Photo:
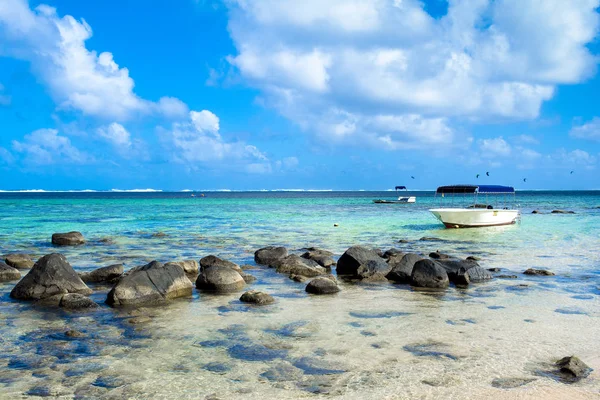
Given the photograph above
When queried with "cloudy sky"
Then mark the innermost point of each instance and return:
(337, 94)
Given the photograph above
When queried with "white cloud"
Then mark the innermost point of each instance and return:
(116, 134)
(198, 141)
(77, 78)
(575, 157)
(46, 146)
(526, 139)
(340, 68)
(589, 131)
(494, 147)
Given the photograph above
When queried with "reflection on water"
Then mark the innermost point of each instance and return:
(368, 341)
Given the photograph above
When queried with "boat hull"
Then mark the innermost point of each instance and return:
(474, 218)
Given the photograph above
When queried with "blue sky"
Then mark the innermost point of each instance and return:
(317, 95)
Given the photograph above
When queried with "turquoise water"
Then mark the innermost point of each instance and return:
(163, 358)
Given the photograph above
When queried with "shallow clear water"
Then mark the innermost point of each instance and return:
(378, 340)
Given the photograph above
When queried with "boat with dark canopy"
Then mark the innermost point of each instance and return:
(401, 199)
(476, 208)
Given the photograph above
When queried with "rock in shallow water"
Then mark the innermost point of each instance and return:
(104, 274)
(509, 383)
(322, 285)
(190, 267)
(268, 255)
(574, 366)
(68, 239)
(362, 263)
(50, 275)
(429, 274)
(296, 265)
(539, 272)
(256, 297)
(322, 257)
(214, 261)
(153, 283)
(8, 273)
(19, 261)
(220, 280)
(402, 267)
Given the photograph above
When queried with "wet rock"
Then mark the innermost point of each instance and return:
(159, 235)
(298, 278)
(393, 253)
(429, 274)
(220, 280)
(491, 269)
(474, 258)
(75, 334)
(214, 261)
(190, 267)
(282, 372)
(510, 383)
(258, 298)
(106, 240)
(75, 301)
(507, 276)
(562, 212)
(268, 255)
(322, 285)
(436, 255)
(460, 277)
(153, 283)
(431, 239)
(402, 267)
(362, 263)
(539, 272)
(19, 261)
(104, 274)
(68, 239)
(109, 381)
(141, 319)
(8, 273)
(296, 265)
(574, 366)
(50, 275)
(536, 212)
(454, 267)
(322, 257)
(248, 278)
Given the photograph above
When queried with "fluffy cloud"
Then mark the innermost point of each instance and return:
(589, 131)
(77, 78)
(387, 72)
(116, 134)
(198, 141)
(494, 147)
(574, 158)
(526, 139)
(46, 146)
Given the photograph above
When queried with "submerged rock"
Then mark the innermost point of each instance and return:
(50, 275)
(539, 272)
(8, 273)
(214, 261)
(510, 383)
(268, 255)
(296, 265)
(19, 261)
(574, 366)
(69, 301)
(256, 297)
(248, 278)
(455, 268)
(562, 212)
(429, 274)
(322, 257)
(362, 263)
(190, 267)
(153, 283)
(322, 285)
(536, 212)
(220, 280)
(73, 238)
(402, 267)
(436, 255)
(104, 274)
(393, 253)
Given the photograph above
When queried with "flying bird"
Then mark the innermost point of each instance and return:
(477, 176)
(487, 173)
(412, 177)
(524, 179)
(572, 172)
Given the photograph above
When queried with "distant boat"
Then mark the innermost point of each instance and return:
(401, 199)
(476, 214)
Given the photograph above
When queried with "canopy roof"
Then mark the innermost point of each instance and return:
(461, 189)
(400, 187)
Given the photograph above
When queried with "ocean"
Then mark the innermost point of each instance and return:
(377, 340)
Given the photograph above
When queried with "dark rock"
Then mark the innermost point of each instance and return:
(248, 278)
(507, 276)
(214, 261)
(403, 241)
(141, 319)
(75, 334)
(322, 257)
(220, 280)
(492, 269)
(296, 265)
(436, 255)
(393, 253)
(402, 267)
(322, 285)
(190, 267)
(431, 239)
(268, 255)
(473, 258)
(539, 272)
(379, 252)
(429, 274)
(104, 274)
(153, 283)
(256, 297)
(562, 212)
(19, 261)
(74, 301)
(472, 268)
(159, 235)
(510, 383)
(460, 277)
(574, 366)
(362, 263)
(68, 239)
(535, 212)
(298, 278)
(50, 275)
(255, 352)
(8, 273)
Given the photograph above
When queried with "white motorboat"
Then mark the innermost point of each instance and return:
(401, 199)
(476, 214)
